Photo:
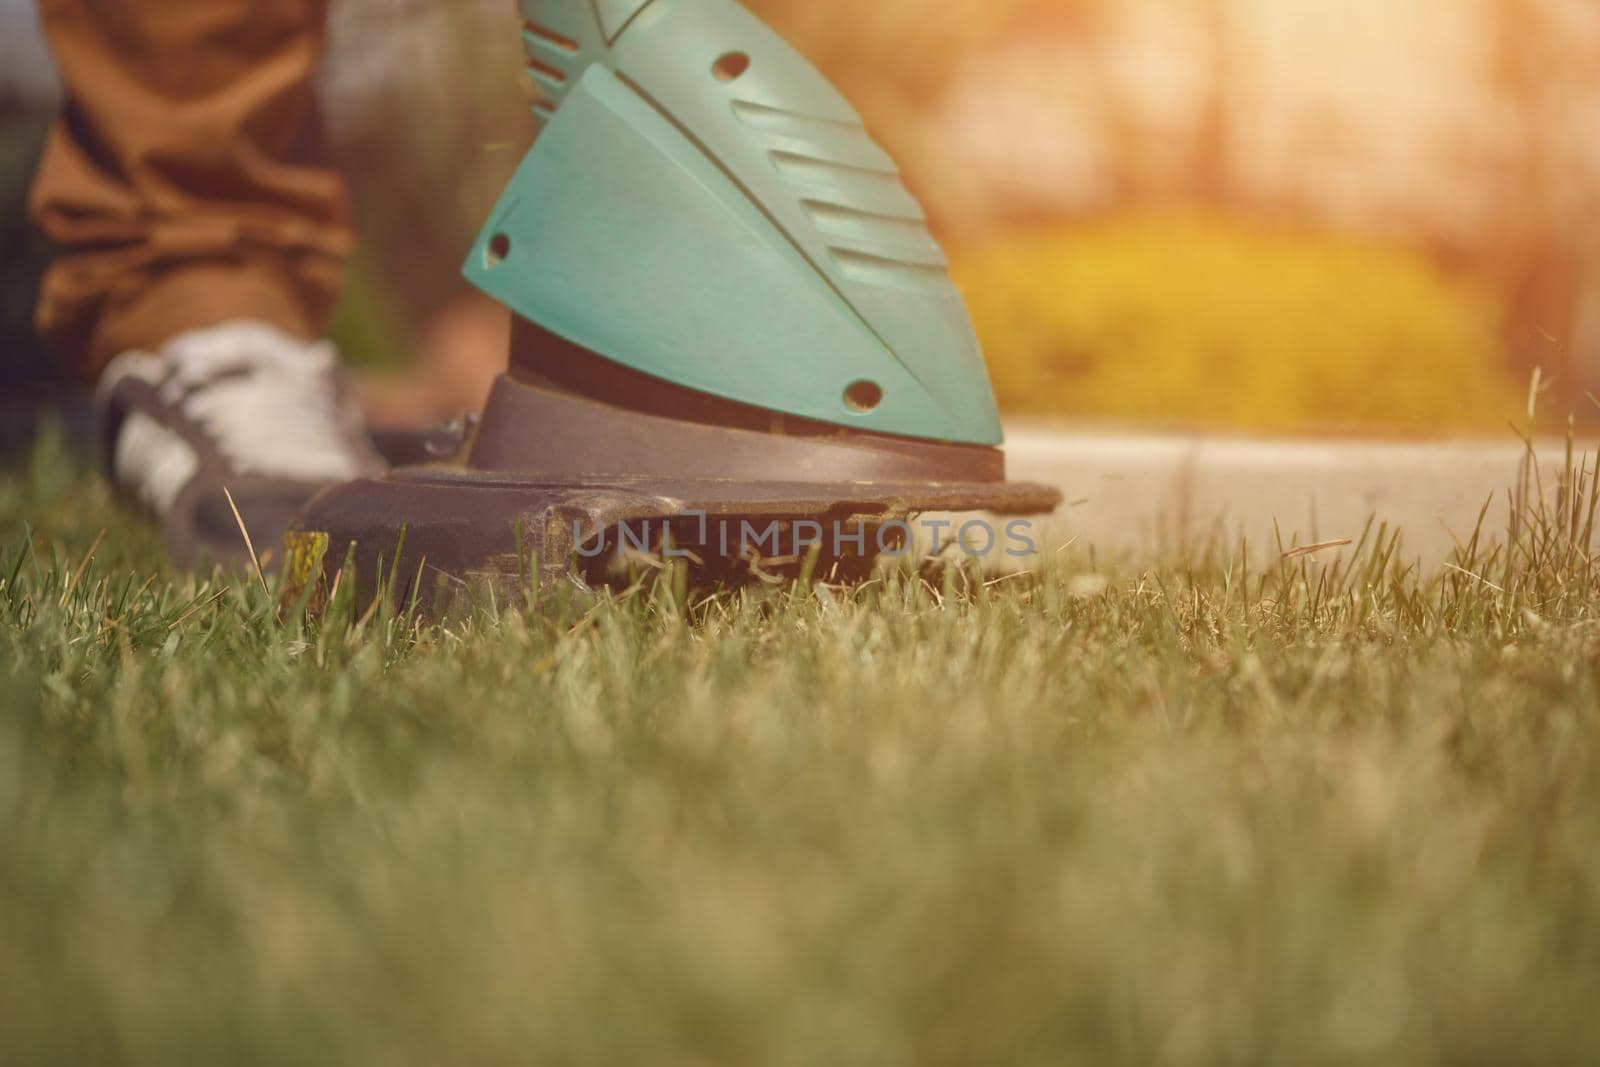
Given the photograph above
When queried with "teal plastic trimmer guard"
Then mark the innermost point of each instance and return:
(703, 207)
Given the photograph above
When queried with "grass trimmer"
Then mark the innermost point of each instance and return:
(735, 340)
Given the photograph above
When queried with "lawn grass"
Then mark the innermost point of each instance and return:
(1320, 814)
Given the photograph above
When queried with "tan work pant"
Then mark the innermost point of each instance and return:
(183, 182)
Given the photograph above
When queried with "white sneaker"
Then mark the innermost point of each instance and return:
(242, 406)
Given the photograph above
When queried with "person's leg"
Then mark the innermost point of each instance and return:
(183, 182)
(202, 245)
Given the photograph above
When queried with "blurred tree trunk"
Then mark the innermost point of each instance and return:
(1546, 74)
(1213, 146)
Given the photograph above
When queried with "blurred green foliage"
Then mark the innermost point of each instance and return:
(371, 330)
(1200, 319)
(426, 130)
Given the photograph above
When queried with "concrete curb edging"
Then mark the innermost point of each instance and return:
(1135, 495)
